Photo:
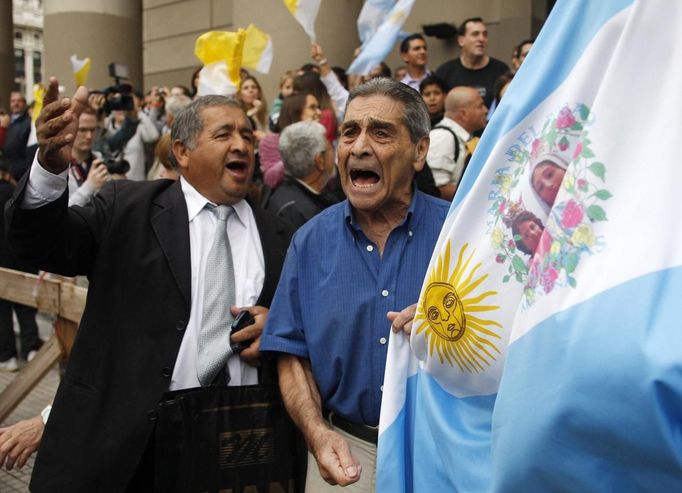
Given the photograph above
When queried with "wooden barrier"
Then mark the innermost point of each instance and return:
(58, 297)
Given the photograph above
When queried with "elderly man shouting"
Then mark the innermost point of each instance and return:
(346, 269)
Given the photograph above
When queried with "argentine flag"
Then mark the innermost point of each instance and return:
(546, 351)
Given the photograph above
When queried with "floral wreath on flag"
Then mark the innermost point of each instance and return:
(568, 234)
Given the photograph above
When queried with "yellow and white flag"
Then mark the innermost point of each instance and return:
(257, 50)
(221, 54)
(305, 12)
(81, 69)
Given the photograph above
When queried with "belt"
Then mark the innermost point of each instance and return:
(363, 432)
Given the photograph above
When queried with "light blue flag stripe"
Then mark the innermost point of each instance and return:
(611, 426)
(555, 52)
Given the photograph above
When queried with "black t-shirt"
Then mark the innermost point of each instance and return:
(455, 74)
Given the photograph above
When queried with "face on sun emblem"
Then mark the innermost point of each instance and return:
(444, 311)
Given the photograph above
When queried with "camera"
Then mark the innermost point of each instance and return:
(117, 166)
(119, 96)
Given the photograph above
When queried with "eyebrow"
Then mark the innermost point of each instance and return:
(230, 128)
(373, 124)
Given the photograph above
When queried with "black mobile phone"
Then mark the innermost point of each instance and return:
(244, 319)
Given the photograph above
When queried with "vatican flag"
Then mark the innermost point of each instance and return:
(305, 12)
(81, 69)
(546, 343)
(221, 54)
(257, 50)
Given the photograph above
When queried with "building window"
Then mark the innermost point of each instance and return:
(37, 67)
(19, 63)
(17, 35)
(36, 36)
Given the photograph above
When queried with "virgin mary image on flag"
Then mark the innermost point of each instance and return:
(546, 349)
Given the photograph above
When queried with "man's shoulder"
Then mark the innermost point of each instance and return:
(449, 66)
(495, 65)
(435, 207)
(322, 225)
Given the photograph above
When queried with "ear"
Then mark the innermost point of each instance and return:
(181, 153)
(403, 57)
(420, 153)
(319, 161)
(459, 41)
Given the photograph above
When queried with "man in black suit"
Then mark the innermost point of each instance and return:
(143, 246)
(17, 135)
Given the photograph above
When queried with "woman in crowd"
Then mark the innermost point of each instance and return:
(295, 108)
(253, 102)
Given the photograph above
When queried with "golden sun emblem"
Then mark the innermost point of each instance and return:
(447, 312)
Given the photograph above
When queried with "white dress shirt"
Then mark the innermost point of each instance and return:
(247, 258)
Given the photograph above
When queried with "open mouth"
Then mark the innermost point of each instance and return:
(364, 178)
(238, 168)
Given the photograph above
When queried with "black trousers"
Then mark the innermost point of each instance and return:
(28, 330)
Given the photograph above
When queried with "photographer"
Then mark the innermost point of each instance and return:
(108, 142)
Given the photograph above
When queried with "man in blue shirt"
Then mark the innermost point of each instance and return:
(346, 269)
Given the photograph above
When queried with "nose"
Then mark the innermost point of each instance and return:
(361, 146)
(239, 144)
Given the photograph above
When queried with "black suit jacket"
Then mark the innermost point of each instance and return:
(15, 145)
(133, 243)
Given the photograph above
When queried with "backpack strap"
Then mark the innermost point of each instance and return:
(453, 136)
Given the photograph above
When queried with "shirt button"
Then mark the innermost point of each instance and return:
(370, 248)
(166, 371)
(382, 340)
(180, 325)
(381, 388)
(384, 293)
(410, 233)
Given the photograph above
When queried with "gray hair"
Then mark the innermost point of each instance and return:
(415, 116)
(176, 103)
(299, 143)
(187, 124)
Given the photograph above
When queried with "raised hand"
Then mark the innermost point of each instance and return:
(57, 125)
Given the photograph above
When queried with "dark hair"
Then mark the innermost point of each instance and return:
(193, 81)
(184, 90)
(432, 80)
(341, 75)
(463, 26)
(310, 83)
(517, 50)
(521, 218)
(501, 81)
(291, 110)
(405, 45)
(415, 115)
(308, 68)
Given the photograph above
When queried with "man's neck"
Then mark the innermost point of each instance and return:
(474, 62)
(79, 156)
(377, 225)
(416, 72)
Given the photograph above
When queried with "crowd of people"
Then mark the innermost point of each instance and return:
(139, 191)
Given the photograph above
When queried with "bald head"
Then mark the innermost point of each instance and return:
(465, 106)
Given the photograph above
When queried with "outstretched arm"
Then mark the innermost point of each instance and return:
(302, 400)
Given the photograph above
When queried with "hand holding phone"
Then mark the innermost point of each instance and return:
(244, 319)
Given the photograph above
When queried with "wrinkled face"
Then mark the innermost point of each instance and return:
(444, 311)
(311, 110)
(416, 54)
(249, 91)
(434, 99)
(547, 178)
(221, 163)
(377, 159)
(475, 41)
(530, 234)
(87, 127)
(16, 103)
(287, 88)
(475, 112)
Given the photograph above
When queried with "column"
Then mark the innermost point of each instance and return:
(6, 52)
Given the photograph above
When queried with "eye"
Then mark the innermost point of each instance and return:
(449, 300)
(433, 313)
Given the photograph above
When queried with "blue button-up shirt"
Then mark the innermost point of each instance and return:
(332, 298)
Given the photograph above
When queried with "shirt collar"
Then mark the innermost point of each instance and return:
(407, 79)
(196, 203)
(349, 214)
